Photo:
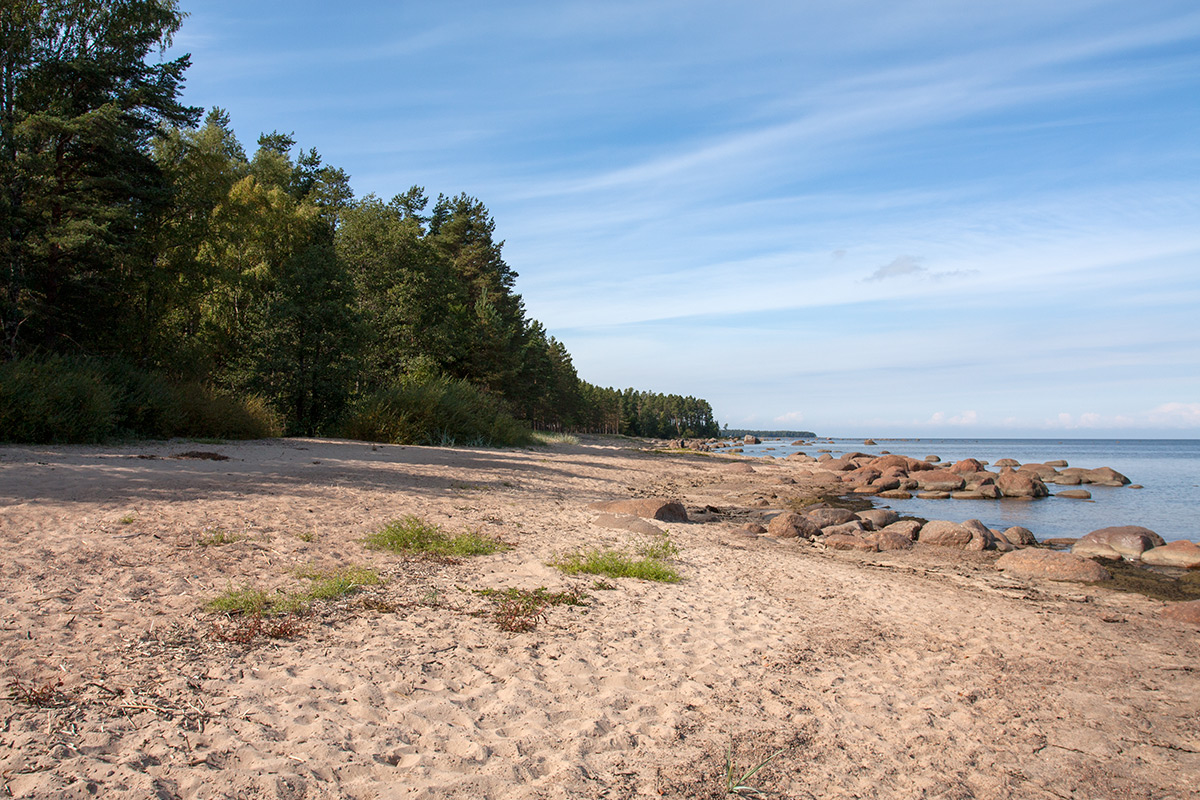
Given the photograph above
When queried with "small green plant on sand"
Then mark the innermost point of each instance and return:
(413, 535)
(215, 537)
(651, 563)
(520, 610)
(128, 519)
(740, 785)
(547, 438)
(338, 583)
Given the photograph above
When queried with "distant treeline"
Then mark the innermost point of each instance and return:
(770, 434)
(137, 230)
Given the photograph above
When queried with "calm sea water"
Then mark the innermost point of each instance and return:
(1169, 469)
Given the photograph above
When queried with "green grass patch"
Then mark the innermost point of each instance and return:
(617, 564)
(215, 537)
(414, 536)
(245, 601)
(339, 583)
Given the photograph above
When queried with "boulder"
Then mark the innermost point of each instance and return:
(824, 517)
(1107, 476)
(886, 484)
(970, 535)
(968, 495)
(848, 541)
(884, 463)
(750, 438)
(1021, 484)
(966, 466)
(1051, 565)
(1188, 612)
(1075, 494)
(751, 529)
(861, 476)
(1043, 471)
(866, 490)
(904, 527)
(1128, 540)
(1056, 463)
(1174, 554)
(790, 525)
(940, 480)
(933, 459)
(647, 508)
(1066, 480)
(933, 495)
(1019, 535)
(1007, 462)
(896, 494)
(878, 518)
(1060, 542)
(869, 442)
(991, 491)
(891, 540)
(628, 522)
(1096, 550)
(800, 458)
(847, 528)
(740, 467)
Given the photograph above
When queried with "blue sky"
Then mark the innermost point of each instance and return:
(860, 218)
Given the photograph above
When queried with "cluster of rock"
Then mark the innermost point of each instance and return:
(897, 477)
(879, 529)
(1135, 543)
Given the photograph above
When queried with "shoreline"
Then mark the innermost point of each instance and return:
(877, 674)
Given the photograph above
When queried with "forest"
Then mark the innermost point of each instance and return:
(157, 279)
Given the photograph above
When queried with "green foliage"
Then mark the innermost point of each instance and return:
(207, 413)
(414, 536)
(324, 585)
(55, 400)
(651, 566)
(246, 600)
(433, 411)
(233, 296)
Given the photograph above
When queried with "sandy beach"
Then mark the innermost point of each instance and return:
(910, 674)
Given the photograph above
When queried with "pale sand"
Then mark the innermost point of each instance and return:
(917, 674)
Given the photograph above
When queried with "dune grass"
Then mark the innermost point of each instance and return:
(414, 536)
(649, 563)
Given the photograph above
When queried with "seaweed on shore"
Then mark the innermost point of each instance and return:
(1128, 577)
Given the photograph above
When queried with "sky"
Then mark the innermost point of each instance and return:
(903, 218)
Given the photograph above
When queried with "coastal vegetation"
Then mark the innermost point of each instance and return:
(157, 280)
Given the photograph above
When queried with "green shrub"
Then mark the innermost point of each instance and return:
(433, 411)
(205, 412)
(145, 403)
(56, 400)
(415, 535)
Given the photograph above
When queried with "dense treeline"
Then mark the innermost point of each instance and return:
(138, 234)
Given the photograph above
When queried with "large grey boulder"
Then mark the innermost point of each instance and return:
(1020, 536)
(849, 541)
(852, 528)
(1051, 565)
(904, 527)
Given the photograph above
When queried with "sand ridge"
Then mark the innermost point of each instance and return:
(917, 674)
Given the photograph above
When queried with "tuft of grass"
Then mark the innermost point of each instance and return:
(128, 519)
(245, 601)
(413, 535)
(739, 785)
(520, 610)
(215, 537)
(306, 536)
(603, 585)
(339, 583)
(658, 547)
(617, 564)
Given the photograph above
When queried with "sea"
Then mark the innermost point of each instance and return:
(1168, 469)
